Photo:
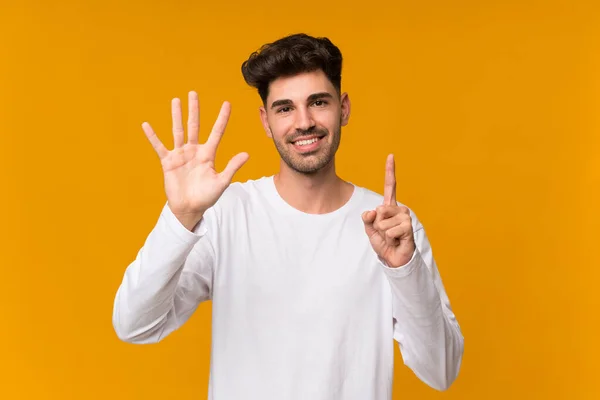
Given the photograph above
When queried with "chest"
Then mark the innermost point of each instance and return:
(283, 266)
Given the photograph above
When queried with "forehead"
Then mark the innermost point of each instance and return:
(299, 87)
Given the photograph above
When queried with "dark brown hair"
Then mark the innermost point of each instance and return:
(291, 55)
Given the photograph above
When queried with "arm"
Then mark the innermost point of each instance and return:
(425, 327)
(163, 286)
(173, 271)
(430, 339)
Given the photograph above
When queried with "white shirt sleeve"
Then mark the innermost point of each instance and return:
(169, 278)
(430, 339)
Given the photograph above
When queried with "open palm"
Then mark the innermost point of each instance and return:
(192, 184)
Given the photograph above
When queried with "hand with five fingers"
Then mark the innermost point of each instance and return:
(192, 184)
(389, 226)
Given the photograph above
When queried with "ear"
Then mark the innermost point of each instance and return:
(345, 103)
(265, 121)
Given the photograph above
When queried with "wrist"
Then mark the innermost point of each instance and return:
(402, 259)
(189, 222)
(188, 219)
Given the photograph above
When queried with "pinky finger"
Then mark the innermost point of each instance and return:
(160, 149)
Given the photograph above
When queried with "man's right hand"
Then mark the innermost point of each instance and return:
(191, 183)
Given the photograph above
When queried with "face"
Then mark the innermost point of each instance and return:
(303, 115)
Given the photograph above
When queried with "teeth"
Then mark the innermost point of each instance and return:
(306, 142)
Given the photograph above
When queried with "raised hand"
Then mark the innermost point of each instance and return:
(192, 184)
(389, 226)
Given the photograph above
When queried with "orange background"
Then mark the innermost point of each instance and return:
(491, 108)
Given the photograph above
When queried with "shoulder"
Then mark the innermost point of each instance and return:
(234, 204)
(240, 193)
(370, 198)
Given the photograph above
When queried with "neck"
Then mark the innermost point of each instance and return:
(319, 193)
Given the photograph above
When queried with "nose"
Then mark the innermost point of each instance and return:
(304, 120)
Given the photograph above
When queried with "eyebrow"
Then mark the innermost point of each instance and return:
(312, 97)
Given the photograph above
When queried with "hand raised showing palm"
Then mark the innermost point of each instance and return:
(192, 184)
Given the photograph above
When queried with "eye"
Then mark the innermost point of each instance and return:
(283, 109)
(320, 103)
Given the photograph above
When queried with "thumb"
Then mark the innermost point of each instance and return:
(233, 166)
(368, 218)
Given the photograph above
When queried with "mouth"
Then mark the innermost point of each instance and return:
(307, 143)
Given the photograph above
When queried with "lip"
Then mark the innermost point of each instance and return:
(308, 137)
(309, 147)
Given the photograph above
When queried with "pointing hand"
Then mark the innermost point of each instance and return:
(389, 226)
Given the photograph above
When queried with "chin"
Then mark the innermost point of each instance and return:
(311, 167)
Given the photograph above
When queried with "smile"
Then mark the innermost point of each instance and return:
(307, 144)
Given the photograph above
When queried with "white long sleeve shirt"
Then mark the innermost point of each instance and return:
(302, 307)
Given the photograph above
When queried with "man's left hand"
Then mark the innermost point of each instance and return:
(389, 226)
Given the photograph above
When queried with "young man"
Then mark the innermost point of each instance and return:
(311, 277)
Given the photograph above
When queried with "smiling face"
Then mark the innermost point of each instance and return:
(304, 114)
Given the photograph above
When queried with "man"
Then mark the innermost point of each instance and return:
(311, 277)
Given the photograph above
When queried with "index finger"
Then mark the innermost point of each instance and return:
(389, 190)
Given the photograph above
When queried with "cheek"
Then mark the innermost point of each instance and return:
(329, 117)
(281, 128)
(329, 122)
(277, 134)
